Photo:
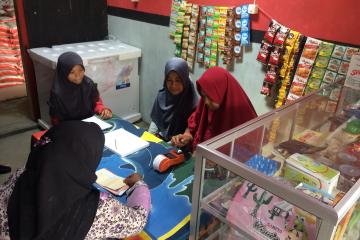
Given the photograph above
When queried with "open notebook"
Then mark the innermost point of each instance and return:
(123, 142)
(102, 124)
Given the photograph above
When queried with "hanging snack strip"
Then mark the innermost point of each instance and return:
(304, 67)
(319, 69)
(264, 55)
(215, 15)
(208, 35)
(345, 53)
(245, 26)
(179, 29)
(191, 52)
(173, 17)
(228, 57)
(201, 35)
(291, 45)
(222, 28)
(186, 30)
(338, 64)
(237, 32)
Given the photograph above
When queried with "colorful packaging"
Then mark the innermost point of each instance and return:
(266, 216)
(300, 168)
(264, 165)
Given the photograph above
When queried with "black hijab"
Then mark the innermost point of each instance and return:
(169, 112)
(54, 198)
(69, 101)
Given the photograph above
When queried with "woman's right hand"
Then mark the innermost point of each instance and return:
(132, 179)
(181, 140)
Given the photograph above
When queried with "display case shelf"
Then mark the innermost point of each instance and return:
(308, 141)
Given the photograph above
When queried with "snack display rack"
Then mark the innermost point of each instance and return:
(292, 173)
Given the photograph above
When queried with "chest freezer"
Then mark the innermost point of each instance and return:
(111, 64)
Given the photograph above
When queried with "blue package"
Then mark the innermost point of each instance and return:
(263, 164)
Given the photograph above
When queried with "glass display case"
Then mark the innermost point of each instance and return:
(292, 173)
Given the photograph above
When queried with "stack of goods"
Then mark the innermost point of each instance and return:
(321, 64)
(222, 30)
(185, 30)
(292, 47)
(175, 9)
(228, 55)
(293, 70)
(304, 67)
(237, 33)
(179, 25)
(271, 50)
(11, 69)
(208, 27)
(222, 12)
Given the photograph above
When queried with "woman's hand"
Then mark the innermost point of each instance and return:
(106, 113)
(132, 179)
(181, 140)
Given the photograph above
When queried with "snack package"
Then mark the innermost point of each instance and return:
(264, 52)
(264, 165)
(300, 168)
(338, 52)
(266, 216)
(316, 193)
(271, 32)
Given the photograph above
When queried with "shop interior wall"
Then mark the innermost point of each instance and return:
(157, 48)
(331, 22)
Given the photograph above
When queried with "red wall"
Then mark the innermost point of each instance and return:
(336, 20)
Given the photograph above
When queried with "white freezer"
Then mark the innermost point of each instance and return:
(112, 64)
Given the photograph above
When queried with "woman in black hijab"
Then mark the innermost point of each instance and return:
(54, 197)
(175, 101)
(73, 95)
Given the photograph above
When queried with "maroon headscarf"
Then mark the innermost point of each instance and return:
(235, 106)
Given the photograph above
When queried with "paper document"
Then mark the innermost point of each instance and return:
(107, 179)
(150, 137)
(123, 142)
(102, 124)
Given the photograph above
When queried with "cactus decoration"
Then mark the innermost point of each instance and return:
(260, 201)
(250, 188)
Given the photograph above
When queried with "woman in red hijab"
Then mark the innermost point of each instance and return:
(223, 106)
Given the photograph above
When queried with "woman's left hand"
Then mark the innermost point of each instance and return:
(106, 114)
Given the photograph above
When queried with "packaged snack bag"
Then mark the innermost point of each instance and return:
(266, 216)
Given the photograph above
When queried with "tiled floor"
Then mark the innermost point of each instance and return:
(16, 129)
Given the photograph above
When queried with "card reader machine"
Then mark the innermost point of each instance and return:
(164, 161)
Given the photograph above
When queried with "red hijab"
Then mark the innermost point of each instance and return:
(235, 106)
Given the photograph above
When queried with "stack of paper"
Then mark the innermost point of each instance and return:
(102, 124)
(123, 142)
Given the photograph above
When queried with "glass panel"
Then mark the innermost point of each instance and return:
(349, 227)
(312, 146)
(249, 210)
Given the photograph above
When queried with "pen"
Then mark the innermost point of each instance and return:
(115, 143)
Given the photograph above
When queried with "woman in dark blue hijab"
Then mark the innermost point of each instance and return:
(175, 101)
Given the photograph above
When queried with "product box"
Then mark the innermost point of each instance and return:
(300, 168)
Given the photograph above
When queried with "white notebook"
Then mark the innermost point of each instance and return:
(102, 124)
(123, 142)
